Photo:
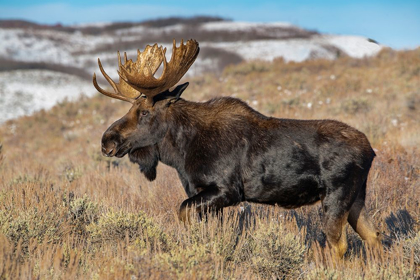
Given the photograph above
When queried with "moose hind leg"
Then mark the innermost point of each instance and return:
(336, 233)
(211, 199)
(336, 206)
(361, 222)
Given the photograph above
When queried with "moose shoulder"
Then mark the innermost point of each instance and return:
(225, 152)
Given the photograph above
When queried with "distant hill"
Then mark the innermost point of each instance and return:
(73, 50)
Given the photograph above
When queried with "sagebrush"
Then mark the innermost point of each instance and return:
(67, 212)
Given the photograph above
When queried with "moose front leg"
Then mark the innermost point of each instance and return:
(208, 200)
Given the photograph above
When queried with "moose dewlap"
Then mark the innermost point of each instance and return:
(225, 152)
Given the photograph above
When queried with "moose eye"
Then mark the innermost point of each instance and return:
(144, 113)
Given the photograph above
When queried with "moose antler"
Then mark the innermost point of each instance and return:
(122, 90)
(140, 75)
(137, 78)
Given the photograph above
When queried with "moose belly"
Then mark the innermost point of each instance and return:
(285, 192)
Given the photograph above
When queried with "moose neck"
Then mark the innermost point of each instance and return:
(182, 127)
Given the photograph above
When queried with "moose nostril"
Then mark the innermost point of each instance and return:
(107, 151)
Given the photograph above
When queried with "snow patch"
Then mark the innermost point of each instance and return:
(300, 49)
(290, 50)
(48, 45)
(147, 31)
(242, 26)
(91, 24)
(23, 92)
(354, 46)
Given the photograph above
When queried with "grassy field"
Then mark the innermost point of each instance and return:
(68, 212)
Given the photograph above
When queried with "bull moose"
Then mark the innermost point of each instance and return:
(225, 152)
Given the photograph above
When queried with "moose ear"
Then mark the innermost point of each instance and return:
(171, 96)
(176, 93)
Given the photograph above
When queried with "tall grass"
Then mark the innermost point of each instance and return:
(68, 212)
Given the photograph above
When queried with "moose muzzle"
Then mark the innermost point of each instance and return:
(109, 148)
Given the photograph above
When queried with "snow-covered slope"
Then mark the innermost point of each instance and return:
(78, 47)
(23, 92)
(301, 49)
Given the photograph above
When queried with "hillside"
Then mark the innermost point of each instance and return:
(66, 211)
(72, 51)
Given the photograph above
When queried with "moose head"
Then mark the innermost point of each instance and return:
(144, 124)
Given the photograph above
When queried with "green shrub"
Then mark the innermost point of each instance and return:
(412, 246)
(82, 212)
(31, 224)
(208, 247)
(374, 272)
(185, 261)
(355, 105)
(22, 179)
(71, 172)
(141, 230)
(272, 252)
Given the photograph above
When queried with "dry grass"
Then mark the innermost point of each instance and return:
(67, 212)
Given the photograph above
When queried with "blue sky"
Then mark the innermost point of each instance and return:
(392, 23)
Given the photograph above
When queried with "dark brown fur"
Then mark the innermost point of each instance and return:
(225, 153)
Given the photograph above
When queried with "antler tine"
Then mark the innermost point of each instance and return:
(141, 76)
(122, 90)
(108, 78)
(107, 93)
